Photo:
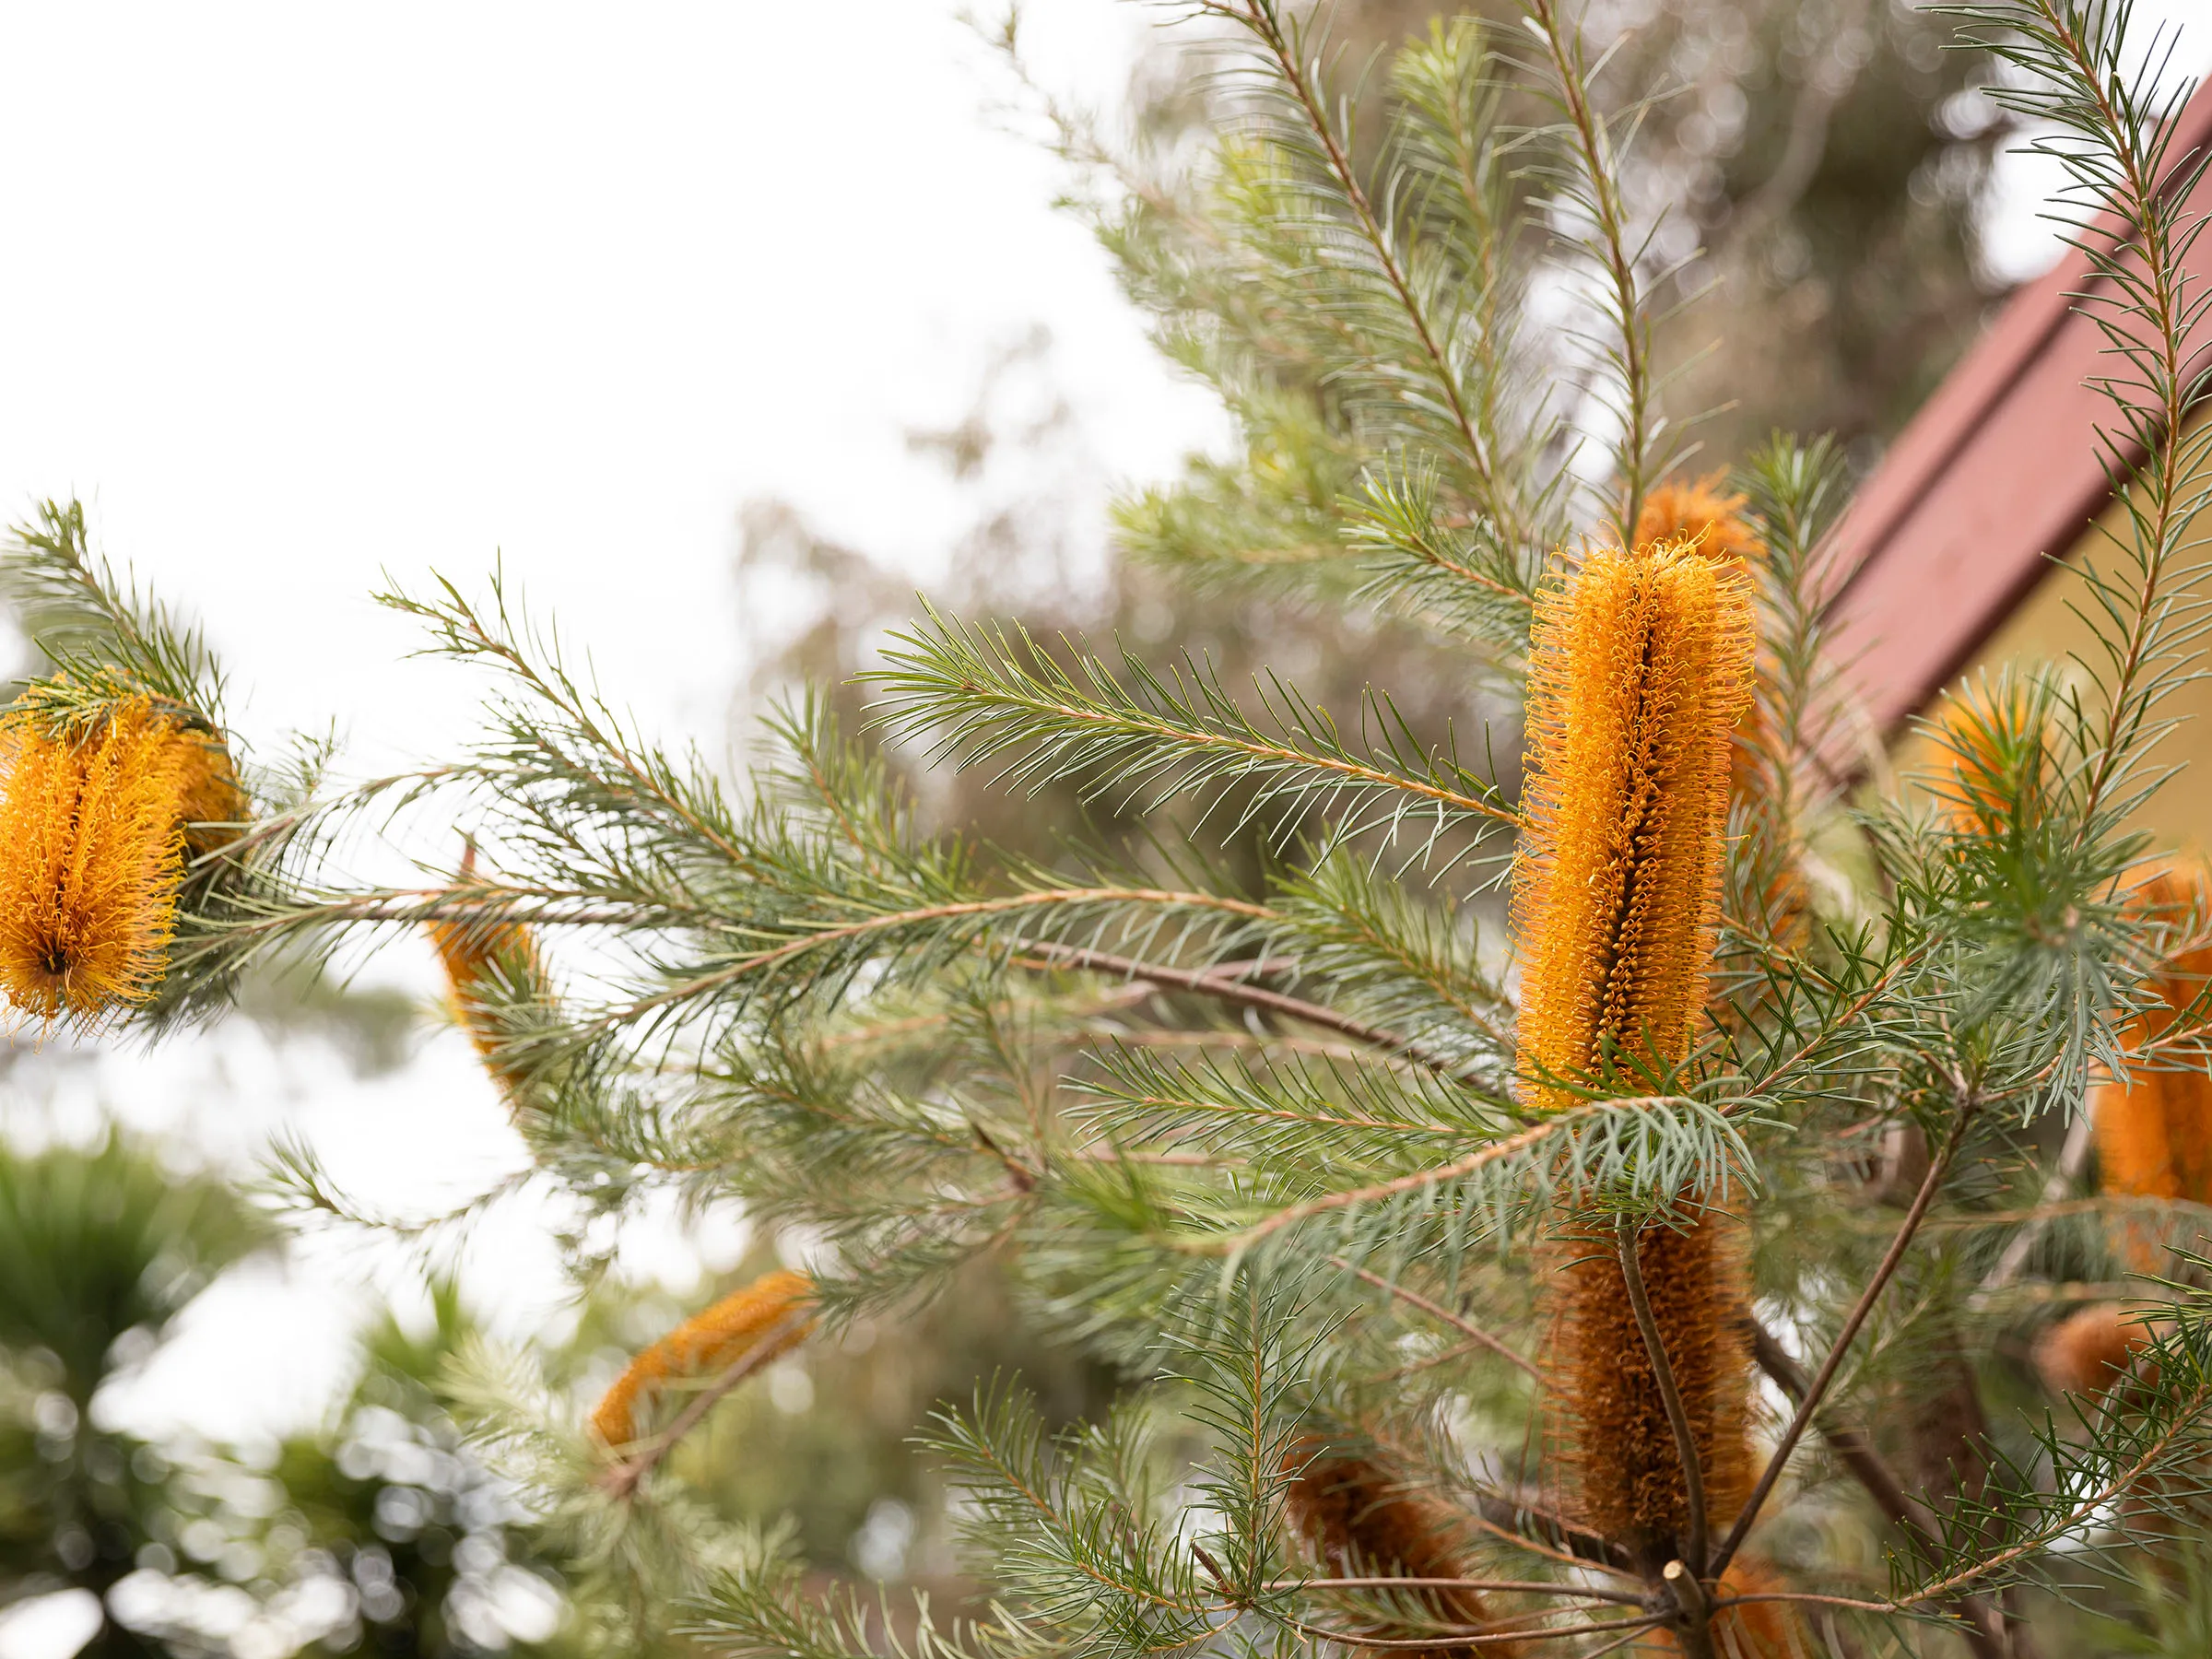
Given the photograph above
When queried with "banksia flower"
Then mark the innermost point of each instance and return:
(1359, 1523)
(484, 960)
(1704, 512)
(767, 1318)
(2154, 1132)
(1996, 735)
(1641, 668)
(93, 845)
(2088, 1350)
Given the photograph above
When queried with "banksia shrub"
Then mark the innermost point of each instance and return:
(1243, 1087)
(1641, 666)
(752, 1325)
(1358, 1522)
(97, 818)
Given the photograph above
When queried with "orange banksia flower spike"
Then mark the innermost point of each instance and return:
(96, 823)
(2088, 1350)
(1358, 1522)
(1995, 737)
(1641, 669)
(1704, 511)
(482, 960)
(1642, 666)
(767, 1318)
(2154, 1132)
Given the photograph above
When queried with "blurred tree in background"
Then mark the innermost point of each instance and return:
(374, 1533)
(1826, 162)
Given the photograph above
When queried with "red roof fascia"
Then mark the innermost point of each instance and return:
(1999, 467)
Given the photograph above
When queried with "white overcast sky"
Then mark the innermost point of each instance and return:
(297, 294)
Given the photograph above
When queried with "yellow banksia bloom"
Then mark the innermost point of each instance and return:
(765, 1319)
(482, 958)
(1704, 511)
(1641, 666)
(93, 846)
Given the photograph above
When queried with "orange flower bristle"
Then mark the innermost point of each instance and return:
(1641, 668)
(93, 843)
(1703, 511)
(1360, 1522)
(770, 1310)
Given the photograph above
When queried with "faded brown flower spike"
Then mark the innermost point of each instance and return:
(1642, 666)
(1358, 1521)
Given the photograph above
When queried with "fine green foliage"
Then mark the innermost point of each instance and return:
(1263, 1137)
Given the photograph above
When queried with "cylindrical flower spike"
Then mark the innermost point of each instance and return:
(486, 962)
(765, 1319)
(93, 844)
(1359, 1521)
(2154, 1132)
(1642, 666)
(2154, 1137)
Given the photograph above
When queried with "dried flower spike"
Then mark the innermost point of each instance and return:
(1642, 666)
(1360, 1523)
(1703, 511)
(765, 1319)
(92, 851)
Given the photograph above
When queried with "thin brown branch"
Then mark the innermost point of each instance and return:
(1985, 1625)
(1224, 985)
(1503, 1515)
(1626, 1235)
(1491, 1638)
(1817, 1390)
(1502, 1586)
